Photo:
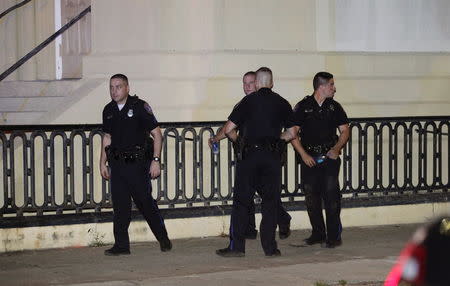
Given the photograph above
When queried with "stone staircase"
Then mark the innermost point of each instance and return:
(39, 102)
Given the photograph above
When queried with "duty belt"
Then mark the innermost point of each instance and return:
(128, 156)
(278, 146)
(260, 146)
(318, 149)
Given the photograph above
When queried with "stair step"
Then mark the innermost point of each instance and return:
(37, 104)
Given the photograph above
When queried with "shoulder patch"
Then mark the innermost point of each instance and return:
(148, 108)
(302, 102)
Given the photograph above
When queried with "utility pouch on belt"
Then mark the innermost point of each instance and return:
(238, 147)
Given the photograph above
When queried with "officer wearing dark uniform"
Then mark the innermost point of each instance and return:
(260, 117)
(284, 219)
(318, 117)
(133, 158)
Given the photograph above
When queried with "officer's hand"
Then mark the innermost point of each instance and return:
(211, 141)
(333, 154)
(155, 170)
(309, 161)
(104, 171)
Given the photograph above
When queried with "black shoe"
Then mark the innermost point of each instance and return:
(275, 253)
(227, 252)
(284, 231)
(115, 251)
(332, 243)
(251, 234)
(165, 245)
(314, 240)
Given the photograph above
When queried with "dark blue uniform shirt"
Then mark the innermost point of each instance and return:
(130, 126)
(261, 116)
(317, 123)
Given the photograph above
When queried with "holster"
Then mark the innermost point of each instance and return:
(238, 147)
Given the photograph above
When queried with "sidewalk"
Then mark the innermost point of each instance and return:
(366, 256)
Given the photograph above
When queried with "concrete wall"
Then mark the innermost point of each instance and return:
(14, 239)
(187, 57)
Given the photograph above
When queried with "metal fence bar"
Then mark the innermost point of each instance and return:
(384, 156)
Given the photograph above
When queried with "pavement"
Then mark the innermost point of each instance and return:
(365, 258)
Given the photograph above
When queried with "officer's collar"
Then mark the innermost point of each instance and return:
(264, 90)
(130, 100)
(117, 104)
(324, 103)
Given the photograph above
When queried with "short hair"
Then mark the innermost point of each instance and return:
(120, 76)
(321, 78)
(250, 73)
(264, 76)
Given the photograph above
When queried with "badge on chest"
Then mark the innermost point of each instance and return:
(130, 113)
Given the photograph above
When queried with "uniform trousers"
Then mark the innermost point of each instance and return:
(132, 180)
(321, 182)
(283, 220)
(261, 168)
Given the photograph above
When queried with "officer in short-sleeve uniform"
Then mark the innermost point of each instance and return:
(318, 126)
(284, 218)
(260, 117)
(129, 157)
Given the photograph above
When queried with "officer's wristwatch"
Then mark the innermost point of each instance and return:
(156, 159)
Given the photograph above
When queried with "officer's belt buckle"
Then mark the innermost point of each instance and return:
(318, 149)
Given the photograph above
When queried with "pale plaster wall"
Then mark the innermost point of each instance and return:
(14, 239)
(187, 57)
(368, 85)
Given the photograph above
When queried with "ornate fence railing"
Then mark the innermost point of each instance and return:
(53, 169)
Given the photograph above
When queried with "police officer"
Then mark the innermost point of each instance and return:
(318, 117)
(134, 159)
(284, 219)
(260, 117)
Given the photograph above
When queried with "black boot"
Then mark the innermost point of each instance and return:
(314, 240)
(284, 231)
(115, 251)
(228, 252)
(165, 245)
(275, 253)
(332, 243)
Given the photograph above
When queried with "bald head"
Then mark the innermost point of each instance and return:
(264, 78)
